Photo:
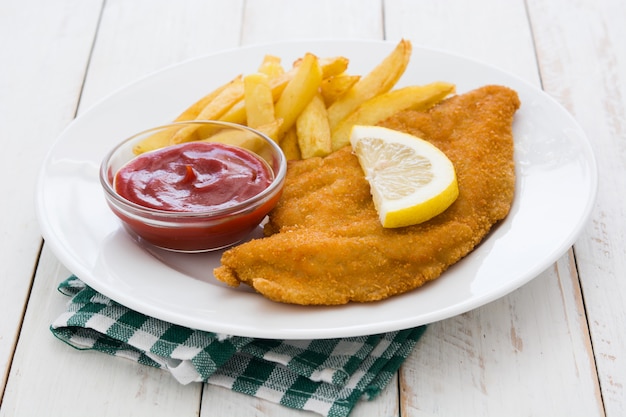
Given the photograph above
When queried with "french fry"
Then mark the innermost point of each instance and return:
(336, 86)
(271, 129)
(386, 105)
(162, 138)
(380, 80)
(310, 108)
(289, 144)
(258, 100)
(156, 141)
(330, 66)
(244, 138)
(237, 113)
(271, 66)
(333, 66)
(230, 95)
(194, 110)
(313, 131)
(279, 83)
(298, 92)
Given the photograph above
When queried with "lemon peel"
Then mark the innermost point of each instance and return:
(410, 179)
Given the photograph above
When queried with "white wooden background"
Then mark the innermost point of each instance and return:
(555, 347)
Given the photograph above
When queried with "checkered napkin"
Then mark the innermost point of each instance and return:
(327, 376)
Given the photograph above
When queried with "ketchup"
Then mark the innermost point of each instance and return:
(193, 177)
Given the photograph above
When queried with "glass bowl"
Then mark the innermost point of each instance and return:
(194, 231)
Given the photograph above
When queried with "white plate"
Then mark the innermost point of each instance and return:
(556, 188)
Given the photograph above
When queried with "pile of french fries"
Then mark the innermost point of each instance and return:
(310, 108)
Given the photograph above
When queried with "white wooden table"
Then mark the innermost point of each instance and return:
(555, 347)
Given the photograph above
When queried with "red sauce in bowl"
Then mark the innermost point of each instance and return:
(193, 177)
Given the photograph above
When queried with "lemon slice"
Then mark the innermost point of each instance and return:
(411, 180)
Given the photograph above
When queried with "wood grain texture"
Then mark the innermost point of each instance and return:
(128, 46)
(525, 354)
(267, 21)
(556, 346)
(499, 348)
(582, 58)
(139, 37)
(495, 32)
(67, 382)
(284, 20)
(44, 52)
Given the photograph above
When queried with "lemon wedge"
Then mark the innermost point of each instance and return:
(410, 179)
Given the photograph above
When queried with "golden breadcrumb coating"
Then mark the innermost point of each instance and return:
(325, 244)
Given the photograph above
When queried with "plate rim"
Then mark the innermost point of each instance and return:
(458, 308)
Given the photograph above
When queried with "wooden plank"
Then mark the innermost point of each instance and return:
(134, 38)
(580, 47)
(490, 356)
(218, 402)
(518, 356)
(284, 20)
(145, 36)
(67, 382)
(495, 32)
(272, 21)
(44, 56)
(525, 354)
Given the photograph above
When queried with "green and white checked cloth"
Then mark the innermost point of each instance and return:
(327, 376)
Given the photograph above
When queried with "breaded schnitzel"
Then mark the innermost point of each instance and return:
(325, 244)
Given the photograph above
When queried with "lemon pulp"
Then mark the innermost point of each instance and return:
(410, 179)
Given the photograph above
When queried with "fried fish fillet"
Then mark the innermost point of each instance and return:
(325, 244)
